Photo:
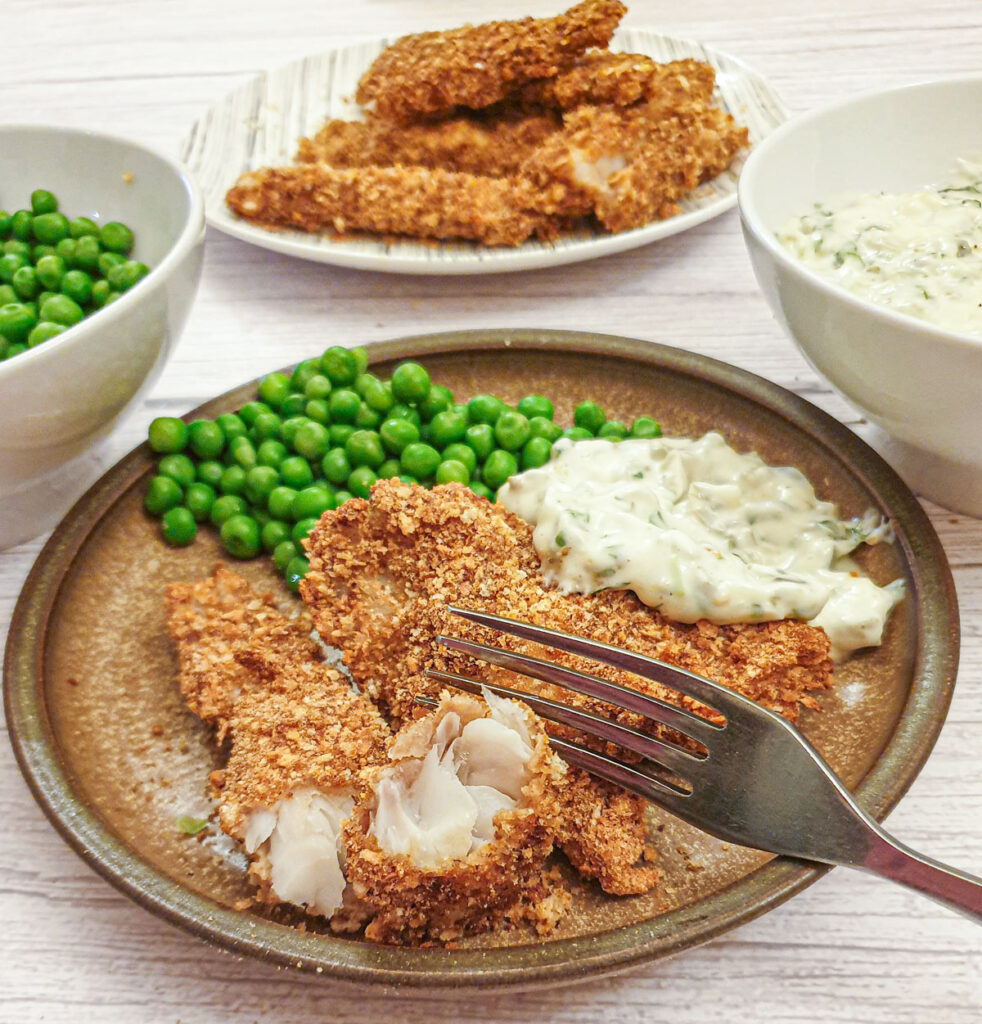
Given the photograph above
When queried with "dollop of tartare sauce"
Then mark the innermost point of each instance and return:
(700, 531)
(918, 253)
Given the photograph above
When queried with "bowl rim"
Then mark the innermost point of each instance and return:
(754, 226)
(192, 230)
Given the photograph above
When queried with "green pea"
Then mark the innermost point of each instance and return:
(645, 426)
(420, 460)
(312, 502)
(273, 389)
(62, 310)
(226, 506)
(364, 448)
(284, 553)
(293, 405)
(318, 409)
(206, 439)
(274, 533)
(163, 492)
(376, 395)
(167, 434)
(410, 383)
(341, 497)
(295, 571)
(511, 430)
(178, 467)
(233, 481)
(296, 472)
(481, 490)
(311, 440)
(16, 322)
(87, 254)
(82, 227)
(336, 466)
(480, 437)
(10, 263)
(401, 411)
(100, 293)
(389, 469)
(44, 331)
(25, 283)
(539, 426)
(5, 220)
(577, 434)
(7, 294)
(344, 405)
(460, 452)
(302, 528)
(123, 276)
(66, 250)
(318, 386)
(302, 372)
(50, 228)
(535, 405)
(210, 472)
(613, 430)
(38, 252)
(289, 428)
(178, 526)
(260, 480)
(259, 513)
(43, 201)
(116, 237)
(21, 224)
(498, 466)
(447, 427)
(339, 365)
(366, 418)
(339, 434)
(485, 409)
(360, 356)
(231, 425)
(198, 500)
(589, 416)
(536, 452)
(77, 285)
(361, 480)
(250, 412)
(240, 535)
(271, 453)
(242, 452)
(452, 471)
(395, 434)
(14, 247)
(437, 399)
(280, 502)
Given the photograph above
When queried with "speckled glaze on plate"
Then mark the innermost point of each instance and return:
(114, 758)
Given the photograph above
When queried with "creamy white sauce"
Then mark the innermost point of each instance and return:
(919, 253)
(700, 531)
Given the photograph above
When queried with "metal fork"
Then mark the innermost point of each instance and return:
(760, 783)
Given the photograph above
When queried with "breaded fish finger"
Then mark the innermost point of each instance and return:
(476, 65)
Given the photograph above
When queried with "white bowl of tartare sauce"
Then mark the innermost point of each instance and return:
(864, 227)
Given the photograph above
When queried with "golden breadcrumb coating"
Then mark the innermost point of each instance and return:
(418, 201)
(475, 66)
(490, 146)
(502, 881)
(211, 621)
(629, 166)
(302, 725)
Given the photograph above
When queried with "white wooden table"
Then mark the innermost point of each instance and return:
(850, 949)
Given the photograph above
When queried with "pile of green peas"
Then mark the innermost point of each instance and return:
(325, 433)
(54, 271)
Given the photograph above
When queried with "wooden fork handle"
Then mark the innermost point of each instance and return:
(953, 888)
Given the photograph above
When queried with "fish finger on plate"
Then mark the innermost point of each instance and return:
(476, 65)
(494, 146)
(452, 834)
(418, 201)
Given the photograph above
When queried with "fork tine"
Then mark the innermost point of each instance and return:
(668, 755)
(713, 695)
(698, 728)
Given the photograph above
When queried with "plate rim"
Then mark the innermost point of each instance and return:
(933, 677)
(482, 260)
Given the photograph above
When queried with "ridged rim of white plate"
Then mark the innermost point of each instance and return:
(258, 125)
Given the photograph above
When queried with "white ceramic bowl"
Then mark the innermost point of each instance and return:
(59, 399)
(919, 384)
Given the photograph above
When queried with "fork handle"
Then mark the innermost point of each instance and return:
(955, 889)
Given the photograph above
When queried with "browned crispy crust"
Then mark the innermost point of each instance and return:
(211, 621)
(503, 881)
(418, 201)
(491, 146)
(382, 573)
(475, 66)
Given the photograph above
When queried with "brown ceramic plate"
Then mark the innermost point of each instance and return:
(114, 758)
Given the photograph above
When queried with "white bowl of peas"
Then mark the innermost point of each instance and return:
(101, 243)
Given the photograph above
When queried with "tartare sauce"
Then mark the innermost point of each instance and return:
(918, 253)
(700, 531)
